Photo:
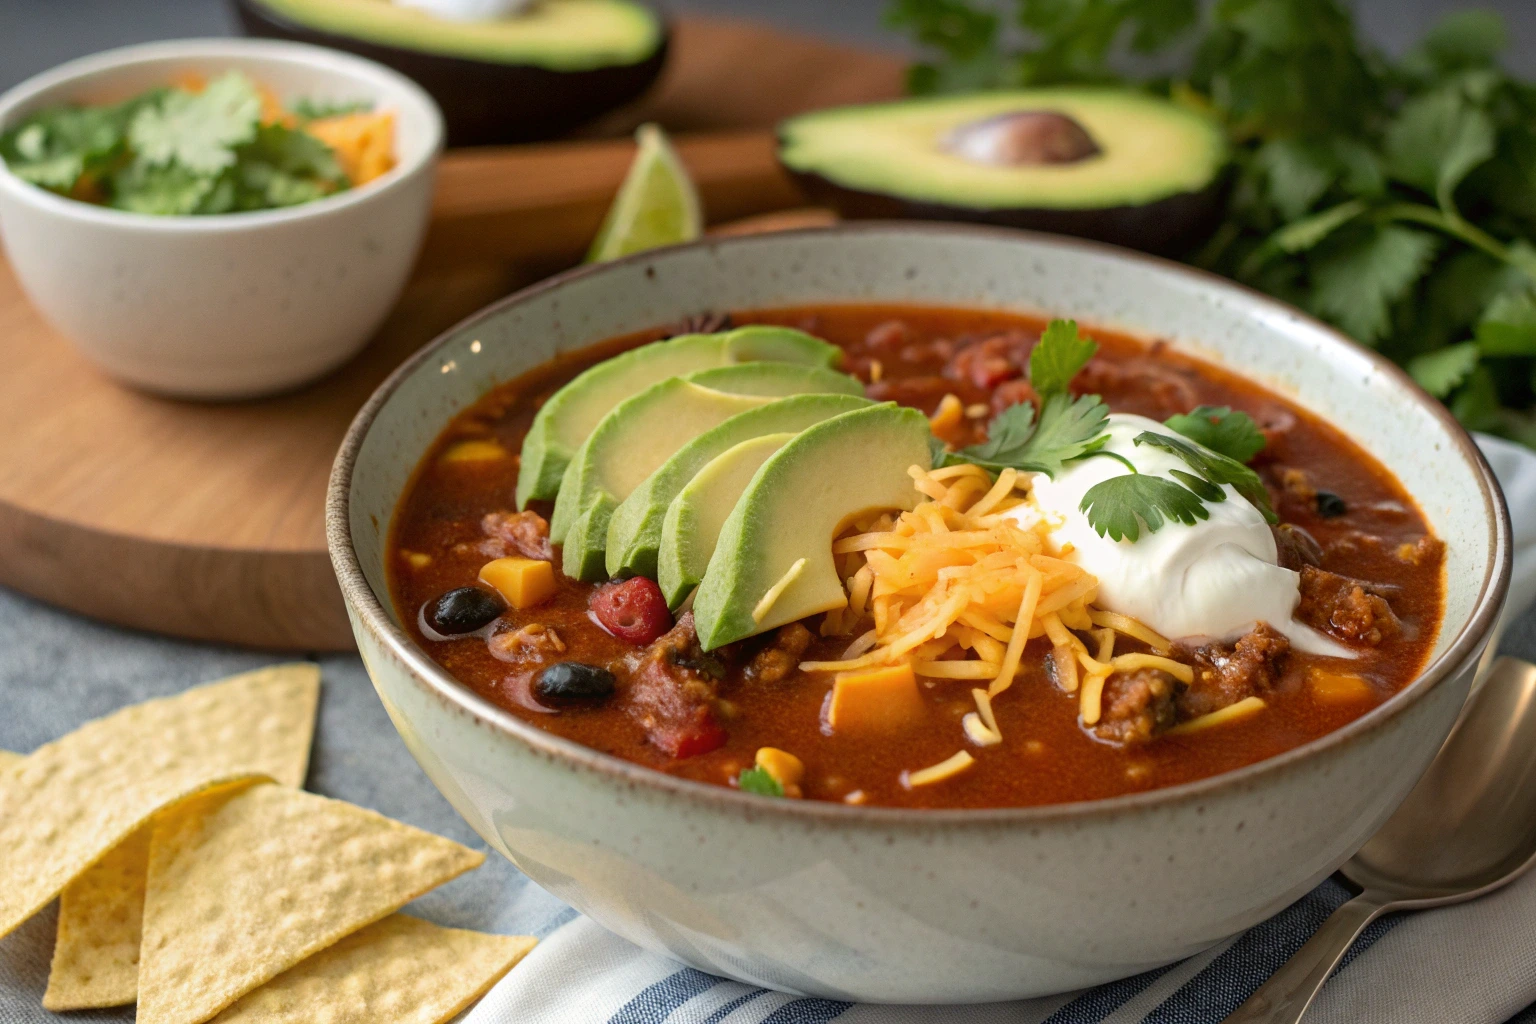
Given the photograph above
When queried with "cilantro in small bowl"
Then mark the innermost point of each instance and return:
(221, 146)
(200, 217)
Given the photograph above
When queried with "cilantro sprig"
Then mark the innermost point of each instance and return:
(174, 152)
(1122, 505)
(1392, 197)
(1217, 441)
(1067, 427)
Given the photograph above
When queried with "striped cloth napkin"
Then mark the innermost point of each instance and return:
(1468, 964)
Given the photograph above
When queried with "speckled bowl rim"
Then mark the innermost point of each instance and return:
(361, 71)
(426, 673)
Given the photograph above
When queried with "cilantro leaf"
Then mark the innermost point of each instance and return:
(166, 191)
(1508, 325)
(1436, 140)
(1215, 467)
(55, 147)
(1221, 429)
(1060, 354)
(1297, 174)
(1122, 505)
(757, 780)
(1356, 282)
(1068, 429)
(198, 131)
(1440, 372)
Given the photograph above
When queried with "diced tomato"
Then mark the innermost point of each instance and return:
(633, 610)
(698, 736)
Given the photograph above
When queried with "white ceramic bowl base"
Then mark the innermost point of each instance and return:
(908, 906)
(235, 305)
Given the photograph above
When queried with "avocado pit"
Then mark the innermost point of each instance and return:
(1022, 138)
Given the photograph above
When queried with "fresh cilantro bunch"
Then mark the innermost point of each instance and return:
(173, 151)
(1396, 199)
(1215, 443)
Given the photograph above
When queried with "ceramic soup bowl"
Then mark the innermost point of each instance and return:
(910, 905)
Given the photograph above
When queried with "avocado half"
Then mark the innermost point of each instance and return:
(1108, 164)
(522, 78)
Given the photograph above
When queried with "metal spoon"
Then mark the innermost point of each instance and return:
(1466, 829)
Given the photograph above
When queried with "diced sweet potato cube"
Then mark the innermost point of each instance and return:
(875, 700)
(1338, 687)
(522, 582)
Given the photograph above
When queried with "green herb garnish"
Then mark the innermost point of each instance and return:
(1221, 429)
(757, 780)
(1067, 428)
(174, 152)
(1120, 505)
(1393, 197)
(1074, 428)
(1214, 467)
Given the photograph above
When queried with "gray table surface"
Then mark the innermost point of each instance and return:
(58, 670)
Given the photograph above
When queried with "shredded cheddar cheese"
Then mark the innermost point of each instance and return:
(955, 589)
(945, 769)
(1232, 712)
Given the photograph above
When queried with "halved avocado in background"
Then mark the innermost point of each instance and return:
(1109, 164)
(528, 76)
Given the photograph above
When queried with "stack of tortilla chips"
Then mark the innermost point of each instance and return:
(195, 878)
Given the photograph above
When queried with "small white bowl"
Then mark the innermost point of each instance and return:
(232, 305)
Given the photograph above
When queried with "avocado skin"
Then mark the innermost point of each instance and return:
(485, 104)
(1166, 227)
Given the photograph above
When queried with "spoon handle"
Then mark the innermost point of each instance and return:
(1284, 998)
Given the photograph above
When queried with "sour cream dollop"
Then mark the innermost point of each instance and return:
(1217, 578)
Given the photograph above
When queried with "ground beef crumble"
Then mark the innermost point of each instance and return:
(1136, 706)
(1226, 674)
(1347, 609)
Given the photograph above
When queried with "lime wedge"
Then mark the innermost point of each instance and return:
(657, 204)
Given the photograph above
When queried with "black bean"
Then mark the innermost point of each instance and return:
(1330, 505)
(571, 680)
(464, 610)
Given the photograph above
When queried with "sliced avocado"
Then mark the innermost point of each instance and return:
(643, 432)
(576, 409)
(693, 520)
(532, 75)
(797, 503)
(1110, 164)
(635, 529)
(781, 379)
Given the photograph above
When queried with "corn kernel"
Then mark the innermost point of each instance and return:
(522, 582)
(417, 559)
(878, 699)
(787, 769)
(947, 416)
(475, 450)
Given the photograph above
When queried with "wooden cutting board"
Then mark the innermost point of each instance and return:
(206, 520)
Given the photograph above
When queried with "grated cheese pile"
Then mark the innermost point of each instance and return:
(957, 587)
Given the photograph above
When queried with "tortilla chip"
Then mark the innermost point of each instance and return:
(96, 954)
(242, 888)
(7, 758)
(399, 969)
(71, 801)
(101, 913)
